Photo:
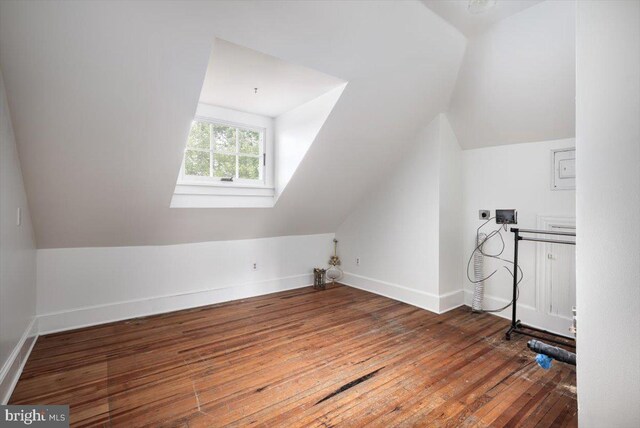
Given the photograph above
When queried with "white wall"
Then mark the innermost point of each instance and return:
(17, 259)
(451, 191)
(608, 165)
(296, 130)
(396, 230)
(85, 286)
(517, 80)
(515, 176)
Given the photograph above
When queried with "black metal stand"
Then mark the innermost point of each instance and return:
(516, 324)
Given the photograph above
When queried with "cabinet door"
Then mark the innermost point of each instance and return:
(560, 278)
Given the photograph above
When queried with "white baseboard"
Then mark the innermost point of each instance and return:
(451, 300)
(12, 368)
(102, 314)
(429, 301)
(527, 314)
(418, 298)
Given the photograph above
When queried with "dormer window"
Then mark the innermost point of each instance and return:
(250, 104)
(225, 153)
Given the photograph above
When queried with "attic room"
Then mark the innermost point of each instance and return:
(320, 213)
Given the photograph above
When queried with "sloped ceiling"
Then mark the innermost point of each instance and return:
(457, 13)
(517, 80)
(250, 81)
(102, 95)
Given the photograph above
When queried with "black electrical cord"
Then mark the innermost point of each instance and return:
(479, 247)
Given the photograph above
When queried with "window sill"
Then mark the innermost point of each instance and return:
(209, 195)
(231, 185)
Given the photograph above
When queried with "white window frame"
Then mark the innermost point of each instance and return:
(237, 181)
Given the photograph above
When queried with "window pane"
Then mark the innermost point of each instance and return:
(224, 139)
(224, 165)
(249, 142)
(196, 163)
(249, 167)
(199, 136)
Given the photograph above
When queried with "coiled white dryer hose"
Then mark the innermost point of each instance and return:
(478, 275)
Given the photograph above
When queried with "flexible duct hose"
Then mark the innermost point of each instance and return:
(552, 351)
(478, 274)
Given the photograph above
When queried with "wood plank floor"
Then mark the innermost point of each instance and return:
(339, 357)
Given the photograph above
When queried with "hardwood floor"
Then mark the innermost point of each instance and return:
(339, 357)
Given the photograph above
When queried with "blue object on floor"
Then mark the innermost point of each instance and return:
(544, 361)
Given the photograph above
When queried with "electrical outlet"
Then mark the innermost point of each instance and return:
(357, 261)
(255, 266)
(484, 214)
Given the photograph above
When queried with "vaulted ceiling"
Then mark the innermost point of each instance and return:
(102, 95)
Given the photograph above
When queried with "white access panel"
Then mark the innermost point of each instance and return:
(563, 169)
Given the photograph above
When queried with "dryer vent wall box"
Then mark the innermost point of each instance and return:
(506, 217)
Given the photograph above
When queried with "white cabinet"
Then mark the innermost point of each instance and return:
(556, 276)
